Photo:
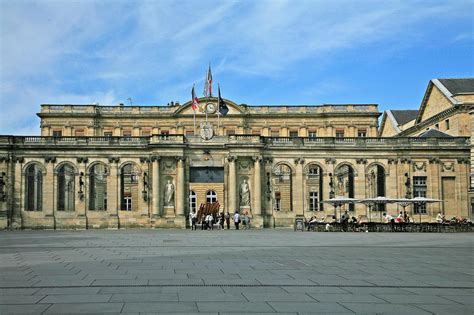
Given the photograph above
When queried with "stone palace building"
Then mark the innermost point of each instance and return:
(149, 166)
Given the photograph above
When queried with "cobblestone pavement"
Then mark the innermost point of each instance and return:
(247, 271)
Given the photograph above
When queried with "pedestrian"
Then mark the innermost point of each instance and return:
(193, 220)
(390, 220)
(247, 220)
(221, 220)
(227, 219)
(236, 219)
(345, 221)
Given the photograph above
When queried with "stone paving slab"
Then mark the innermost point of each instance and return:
(270, 271)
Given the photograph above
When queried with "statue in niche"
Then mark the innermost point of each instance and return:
(169, 194)
(244, 194)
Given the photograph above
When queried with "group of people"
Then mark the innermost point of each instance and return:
(209, 219)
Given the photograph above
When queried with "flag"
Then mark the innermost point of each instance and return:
(195, 100)
(223, 109)
(208, 84)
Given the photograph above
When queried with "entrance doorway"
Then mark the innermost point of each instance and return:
(206, 189)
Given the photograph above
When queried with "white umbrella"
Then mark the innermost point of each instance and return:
(423, 201)
(339, 201)
(380, 200)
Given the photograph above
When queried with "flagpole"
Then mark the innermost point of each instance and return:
(218, 112)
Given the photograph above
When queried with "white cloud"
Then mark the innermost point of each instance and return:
(86, 51)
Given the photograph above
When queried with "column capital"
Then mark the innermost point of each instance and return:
(257, 159)
(361, 161)
(144, 159)
(155, 158)
(392, 161)
(18, 159)
(231, 158)
(4, 159)
(180, 158)
(268, 160)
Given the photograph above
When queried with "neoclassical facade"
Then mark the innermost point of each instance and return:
(149, 166)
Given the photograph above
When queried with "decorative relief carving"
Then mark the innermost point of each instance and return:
(405, 160)
(82, 160)
(330, 161)
(168, 166)
(299, 161)
(419, 166)
(114, 159)
(447, 166)
(49, 159)
(244, 165)
(392, 161)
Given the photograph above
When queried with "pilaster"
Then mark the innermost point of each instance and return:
(232, 184)
(155, 189)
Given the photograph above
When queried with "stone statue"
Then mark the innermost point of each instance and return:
(169, 194)
(244, 194)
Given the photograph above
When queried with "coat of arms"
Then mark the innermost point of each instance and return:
(207, 130)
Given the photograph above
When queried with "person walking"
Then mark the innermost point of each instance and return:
(227, 219)
(193, 217)
(236, 220)
(221, 220)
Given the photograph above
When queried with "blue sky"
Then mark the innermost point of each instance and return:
(262, 52)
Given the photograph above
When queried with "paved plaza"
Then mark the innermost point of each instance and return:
(247, 271)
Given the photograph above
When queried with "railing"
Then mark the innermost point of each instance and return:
(387, 227)
(242, 139)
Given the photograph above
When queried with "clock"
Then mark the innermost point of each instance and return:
(210, 108)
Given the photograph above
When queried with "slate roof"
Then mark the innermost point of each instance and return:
(404, 116)
(458, 86)
(433, 133)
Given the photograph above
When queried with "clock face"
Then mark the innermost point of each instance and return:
(210, 108)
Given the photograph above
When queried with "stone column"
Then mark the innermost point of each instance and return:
(257, 209)
(298, 195)
(155, 189)
(17, 193)
(232, 184)
(113, 191)
(48, 189)
(180, 186)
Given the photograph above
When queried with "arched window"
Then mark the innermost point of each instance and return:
(314, 187)
(66, 178)
(129, 187)
(34, 188)
(98, 187)
(192, 201)
(376, 183)
(211, 196)
(282, 187)
(344, 187)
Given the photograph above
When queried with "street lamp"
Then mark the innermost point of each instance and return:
(331, 193)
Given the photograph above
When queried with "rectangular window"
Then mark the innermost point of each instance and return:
(446, 122)
(127, 133)
(275, 133)
(362, 133)
(312, 134)
(256, 132)
(419, 190)
(230, 132)
(57, 133)
(107, 133)
(277, 201)
(339, 133)
(146, 133)
(79, 132)
(127, 203)
(293, 133)
(189, 132)
(313, 201)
